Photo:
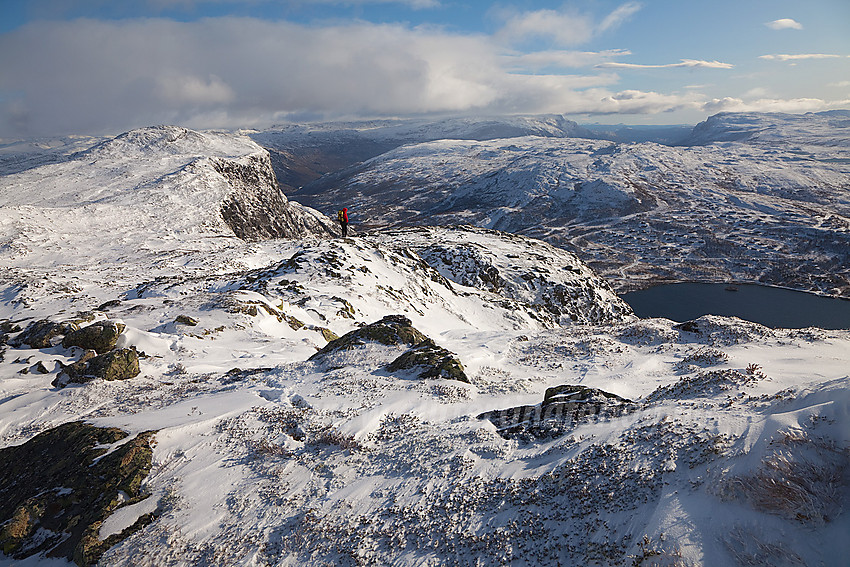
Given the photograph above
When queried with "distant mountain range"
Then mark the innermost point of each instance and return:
(745, 197)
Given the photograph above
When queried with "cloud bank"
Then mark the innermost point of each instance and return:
(92, 75)
(95, 76)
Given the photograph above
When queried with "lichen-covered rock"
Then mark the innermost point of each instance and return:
(7, 327)
(327, 333)
(391, 330)
(119, 364)
(563, 408)
(186, 320)
(100, 337)
(431, 361)
(55, 492)
(42, 334)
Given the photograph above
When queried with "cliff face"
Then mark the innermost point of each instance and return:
(256, 209)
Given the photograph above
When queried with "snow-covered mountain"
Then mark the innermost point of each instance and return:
(172, 394)
(765, 209)
(303, 153)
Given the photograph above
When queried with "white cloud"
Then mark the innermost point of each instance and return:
(799, 56)
(562, 27)
(189, 89)
(684, 63)
(784, 24)
(562, 59)
(620, 15)
(88, 76)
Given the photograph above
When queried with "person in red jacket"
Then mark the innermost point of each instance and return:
(342, 217)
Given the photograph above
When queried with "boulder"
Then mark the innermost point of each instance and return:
(100, 337)
(41, 334)
(430, 361)
(120, 364)
(58, 488)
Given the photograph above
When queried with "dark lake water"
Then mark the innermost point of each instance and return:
(770, 306)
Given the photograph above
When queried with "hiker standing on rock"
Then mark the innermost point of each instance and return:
(342, 217)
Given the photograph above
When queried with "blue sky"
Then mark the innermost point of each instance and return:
(104, 66)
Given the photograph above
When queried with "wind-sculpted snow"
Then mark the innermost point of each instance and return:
(638, 214)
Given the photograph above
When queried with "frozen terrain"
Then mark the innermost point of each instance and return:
(751, 198)
(288, 429)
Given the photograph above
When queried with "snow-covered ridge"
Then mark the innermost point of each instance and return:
(146, 187)
(830, 128)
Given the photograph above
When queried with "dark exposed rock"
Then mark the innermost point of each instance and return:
(563, 408)
(186, 320)
(391, 330)
(257, 209)
(58, 488)
(120, 364)
(41, 334)
(109, 305)
(7, 327)
(100, 337)
(431, 360)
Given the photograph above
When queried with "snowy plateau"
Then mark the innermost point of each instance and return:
(196, 370)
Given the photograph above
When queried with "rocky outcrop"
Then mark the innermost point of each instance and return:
(100, 337)
(546, 280)
(563, 408)
(58, 488)
(428, 360)
(391, 330)
(425, 359)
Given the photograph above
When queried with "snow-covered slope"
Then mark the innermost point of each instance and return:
(580, 436)
(775, 129)
(638, 213)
